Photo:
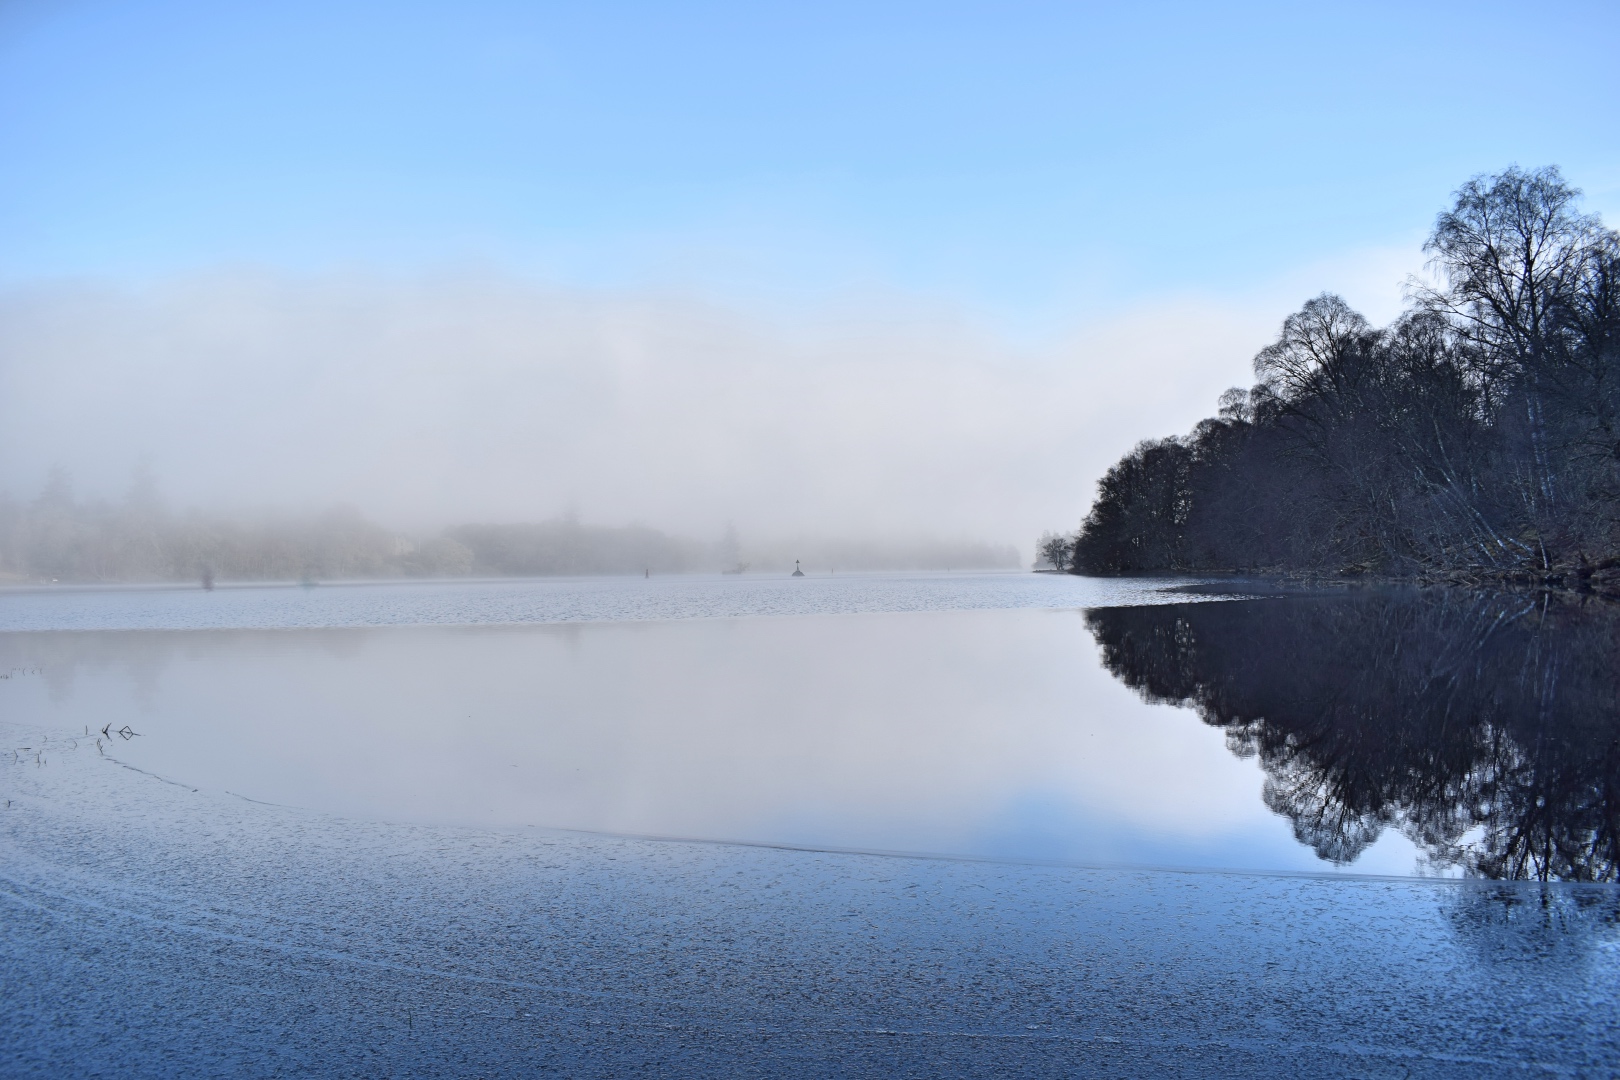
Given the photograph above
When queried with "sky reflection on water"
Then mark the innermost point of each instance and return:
(1370, 731)
(988, 732)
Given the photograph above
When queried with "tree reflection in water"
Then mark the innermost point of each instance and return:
(1486, 727)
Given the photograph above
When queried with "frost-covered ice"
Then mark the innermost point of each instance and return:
(150, 929)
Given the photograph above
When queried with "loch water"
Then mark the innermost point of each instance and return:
(959, 806)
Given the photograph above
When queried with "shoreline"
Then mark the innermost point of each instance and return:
(1605, 587)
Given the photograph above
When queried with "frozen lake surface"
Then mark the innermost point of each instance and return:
(493, 829)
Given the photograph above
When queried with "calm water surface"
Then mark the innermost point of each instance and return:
(380, 830)
(963, 714)
(1007, 716)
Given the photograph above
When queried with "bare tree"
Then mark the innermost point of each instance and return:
(1056, 550)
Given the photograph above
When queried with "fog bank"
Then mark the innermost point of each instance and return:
(429, 401)
(57, 537)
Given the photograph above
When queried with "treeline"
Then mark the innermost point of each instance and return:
(59, 538)
(567, 547)
(1475, 438)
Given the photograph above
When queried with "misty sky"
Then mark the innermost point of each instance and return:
(900, 268)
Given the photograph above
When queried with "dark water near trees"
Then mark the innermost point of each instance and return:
(1484, 727)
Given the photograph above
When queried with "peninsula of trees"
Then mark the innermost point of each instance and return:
(1473, 439)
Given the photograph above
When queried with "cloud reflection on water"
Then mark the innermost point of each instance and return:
(1373, 731)
(973, 732)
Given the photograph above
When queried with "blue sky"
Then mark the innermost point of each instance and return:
(856, 268)
(1016, 156)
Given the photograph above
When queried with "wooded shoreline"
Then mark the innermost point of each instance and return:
(1475, 441)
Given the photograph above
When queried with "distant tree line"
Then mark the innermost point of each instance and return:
(57, 537)
(568, 547)
(1476, 437)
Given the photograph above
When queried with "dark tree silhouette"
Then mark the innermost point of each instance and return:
(1056, 551)
(1478, 436)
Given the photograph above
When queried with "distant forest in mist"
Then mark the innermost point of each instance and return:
(59, 538)
(1473, 439)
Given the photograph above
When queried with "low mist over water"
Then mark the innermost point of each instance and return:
(1376, 731)
(57, 538)
(425, 402)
